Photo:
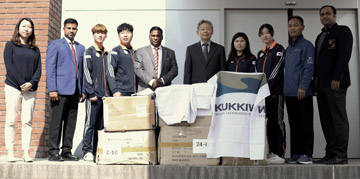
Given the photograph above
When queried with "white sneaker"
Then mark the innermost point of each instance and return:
(275, 159)
(270, 156)
(89, 157)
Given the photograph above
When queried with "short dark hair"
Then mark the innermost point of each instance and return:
(332, 7)
(156, 28)
(70, 21)
(125, 26)
(269, 27)
(297, 17)
(16, 36)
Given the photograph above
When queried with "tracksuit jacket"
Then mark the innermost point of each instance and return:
(95, 67)
(121, 71)
(271, 62)
(299, 67)
(242, 64)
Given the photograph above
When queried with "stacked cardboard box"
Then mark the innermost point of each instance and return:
(129, 135)
(185, 144)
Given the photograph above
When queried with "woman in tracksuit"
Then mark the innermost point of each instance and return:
(270, 60)
(240, 57)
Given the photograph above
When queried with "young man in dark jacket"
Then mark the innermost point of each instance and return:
(96, 87)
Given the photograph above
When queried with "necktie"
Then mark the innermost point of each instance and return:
(74, 55)
(156, 61)
(205, 52)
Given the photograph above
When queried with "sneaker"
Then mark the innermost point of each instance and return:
(304, 159)
(270, 155)
(89, 157)
(275, 159)
(293, 159)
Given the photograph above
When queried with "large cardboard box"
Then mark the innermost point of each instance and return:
(184, 146)
(199, 121)
(129, 113)
(132, 147)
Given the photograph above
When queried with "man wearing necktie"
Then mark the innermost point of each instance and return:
(64, 75)
(155, 65)
(205, 58)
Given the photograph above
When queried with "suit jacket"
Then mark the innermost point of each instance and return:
(196, 70)
(60, 67)
(145, 67)
(332, 59)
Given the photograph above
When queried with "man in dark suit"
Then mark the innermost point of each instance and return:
(205, 58)
(155, 65)
(333, 48)
(64, 75)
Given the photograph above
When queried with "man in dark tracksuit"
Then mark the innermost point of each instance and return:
(333, 48)
(96, 87)
(270, 61)
(122, 78)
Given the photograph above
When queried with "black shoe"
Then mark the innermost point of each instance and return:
(323, 160)
(55, 157)
(69, 157)
(336, 160)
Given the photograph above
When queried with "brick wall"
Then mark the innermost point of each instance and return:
(46, 15)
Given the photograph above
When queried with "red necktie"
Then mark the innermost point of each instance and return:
(74, 54)
(156, 59)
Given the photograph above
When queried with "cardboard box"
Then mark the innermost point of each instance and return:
(129, 113)
(199, 121)
(184, 146)
(132, 147)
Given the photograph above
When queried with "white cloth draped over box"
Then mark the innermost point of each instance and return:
(238, 122)
(236, 102)
(177, 103)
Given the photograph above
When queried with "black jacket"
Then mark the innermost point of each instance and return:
(271, 62)
(242, 64)
(95, 66)
(332, 59)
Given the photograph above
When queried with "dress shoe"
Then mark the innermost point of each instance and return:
(27, 159)
(336, 160)
(323, 160)
(10, 157)
(55, 157)
(69, 157)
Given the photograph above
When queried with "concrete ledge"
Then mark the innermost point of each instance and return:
(41, 168)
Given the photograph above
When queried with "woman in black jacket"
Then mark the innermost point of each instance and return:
(240, 57)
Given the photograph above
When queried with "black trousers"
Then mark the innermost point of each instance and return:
(63, 121)
(334, 120)
(94, 121)
(275, 124)
(301, 122)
